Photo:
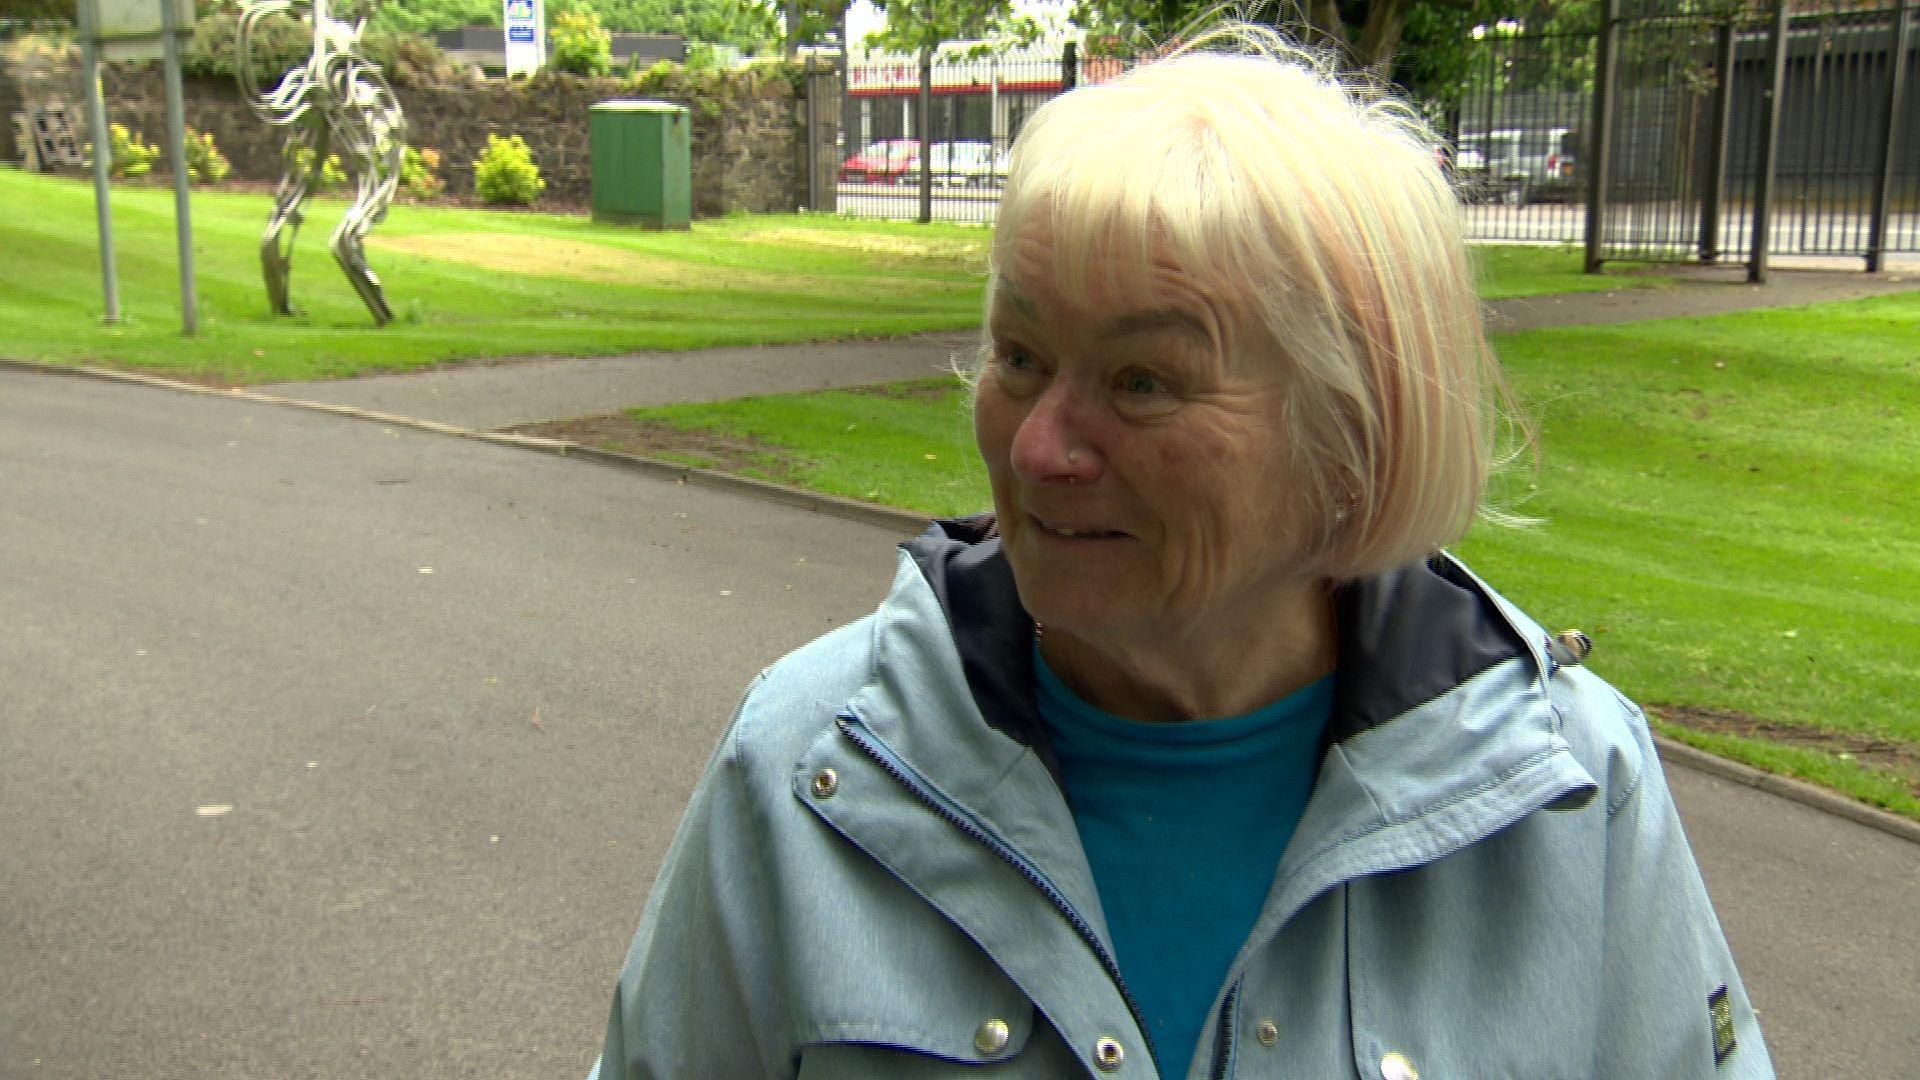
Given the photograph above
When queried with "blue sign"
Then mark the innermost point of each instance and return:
(520, 33)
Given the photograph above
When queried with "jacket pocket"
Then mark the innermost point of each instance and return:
(943, 1043)
(928, 1004)
(1485, 964)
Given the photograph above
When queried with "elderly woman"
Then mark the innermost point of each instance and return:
(1197, 757)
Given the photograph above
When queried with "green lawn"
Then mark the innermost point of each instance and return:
(1508, 272)
(1731, 508)
(463, 284)
(908, 445)
(475, 284)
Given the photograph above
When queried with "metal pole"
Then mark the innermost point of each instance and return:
(177, 153)
(102, 150)
(812, 83)
(1717, 137)
(844, 67)
(996, 129)
(923, 114)
(1602, 137)
(1889, 131)
(1769, 146)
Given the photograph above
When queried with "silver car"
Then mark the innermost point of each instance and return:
(967, 163)
(1517, 165)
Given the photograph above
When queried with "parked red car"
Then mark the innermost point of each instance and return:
(889, 161)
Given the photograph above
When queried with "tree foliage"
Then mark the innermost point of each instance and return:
(913, 25)
(747, 25)
(1428, 47)
(39, 11)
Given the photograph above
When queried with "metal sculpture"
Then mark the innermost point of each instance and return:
(336, 98)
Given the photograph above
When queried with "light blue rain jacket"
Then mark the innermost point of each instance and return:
(876, 880)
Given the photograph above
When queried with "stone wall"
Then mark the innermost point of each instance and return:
(748, 152)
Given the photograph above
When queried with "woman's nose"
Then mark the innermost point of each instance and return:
(1051, 445)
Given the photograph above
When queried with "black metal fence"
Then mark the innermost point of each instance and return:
(1847, 160)
(1519, 132)
(1742, 139)
(1647, 136)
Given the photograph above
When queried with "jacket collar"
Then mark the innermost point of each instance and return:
(1406, 636)
(1442, 729)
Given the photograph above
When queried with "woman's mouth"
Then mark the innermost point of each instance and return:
(1076, 531)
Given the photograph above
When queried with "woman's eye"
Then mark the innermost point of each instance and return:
(1141, 382)
(1015, 362)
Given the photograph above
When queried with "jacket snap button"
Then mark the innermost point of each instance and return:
(1395, 1066)
(1268, 1033)
(1108, 1053)
(992, 1037)
(825, 783)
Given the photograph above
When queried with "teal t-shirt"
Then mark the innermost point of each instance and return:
(1184, 825)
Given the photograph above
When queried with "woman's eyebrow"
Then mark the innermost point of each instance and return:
(1005, 293)
(1137, 323)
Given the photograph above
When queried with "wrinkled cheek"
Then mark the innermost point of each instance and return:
(986, 435)
(994, 427)
(1202, 523)
(1205, 559)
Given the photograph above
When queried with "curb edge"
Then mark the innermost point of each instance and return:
(1678, 753)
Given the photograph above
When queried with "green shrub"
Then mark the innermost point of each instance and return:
(506, 174)
(131, 155)
(331, 172)
(701, 56)
(711, 91)
(205, 163)
(420, 173)
(406, 59)
(580, 45)
(280, 41)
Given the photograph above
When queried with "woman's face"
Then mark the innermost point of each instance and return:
(1138, 459)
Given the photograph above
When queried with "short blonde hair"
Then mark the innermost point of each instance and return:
(1316, 211)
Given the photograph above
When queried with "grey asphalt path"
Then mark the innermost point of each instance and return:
(489, 396)
(450, 790)
(1695, 292)
(209, 602)
(1822, 919)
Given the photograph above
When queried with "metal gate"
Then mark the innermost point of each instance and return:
(1738, 139)
(1518, 134)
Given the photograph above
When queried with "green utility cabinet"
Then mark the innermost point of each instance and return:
(641, 154)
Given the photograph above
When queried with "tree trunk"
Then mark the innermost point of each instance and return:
(1380, 35)
(1324, 16)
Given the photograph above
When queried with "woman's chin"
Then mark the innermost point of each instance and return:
(1072, 608)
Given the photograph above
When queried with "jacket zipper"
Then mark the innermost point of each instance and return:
(1223, 1040)
(959, 818)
